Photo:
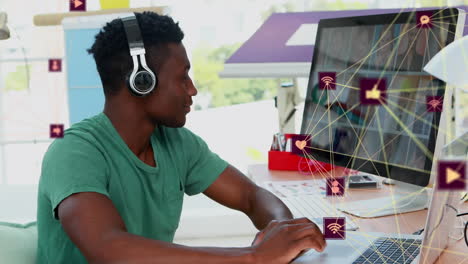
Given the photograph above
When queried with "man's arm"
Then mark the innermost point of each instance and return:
(234, 190)
(96, 228)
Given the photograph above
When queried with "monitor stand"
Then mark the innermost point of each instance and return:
(404, 199)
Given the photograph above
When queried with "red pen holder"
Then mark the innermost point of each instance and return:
(288, 161)
(282, 160)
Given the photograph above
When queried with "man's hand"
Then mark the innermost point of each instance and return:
(282, 241)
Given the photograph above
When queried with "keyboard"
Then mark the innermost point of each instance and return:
(315, 208)
(390, 250)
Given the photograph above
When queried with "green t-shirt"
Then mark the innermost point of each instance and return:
(92, 157)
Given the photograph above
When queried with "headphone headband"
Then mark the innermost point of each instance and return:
(133, 33)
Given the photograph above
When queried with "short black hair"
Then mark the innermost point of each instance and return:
(111, 52)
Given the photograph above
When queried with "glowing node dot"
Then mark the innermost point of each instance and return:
(424, 19)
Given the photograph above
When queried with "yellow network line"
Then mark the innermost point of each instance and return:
(378, 118)
(370, 236)
(438, 12)
(349, 217)
(413, 90)
(351, 156)
(325, 177)
(313, 113)
(444, 29)
(337, 119)
(422, 120)
(347, 86)
(394, 50)
(404, 58)
(388, 90)
(464, 53)
(416, 140)
(388, 171)
(442, 17)
(392, 23)
(405, 98)
(439, 216)
(327, 111)
(348, 111)
(359, 137)
(411, 194)
(330, 134)
(320, 119)
(372, 156)
(373, 159)
(388, 143)
(394, 203)
(435, 37)
(372, 52)
(413, 114)
(447, 23)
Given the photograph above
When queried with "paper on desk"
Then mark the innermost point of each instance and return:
(284, 189)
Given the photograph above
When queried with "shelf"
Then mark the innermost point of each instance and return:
(55, 19)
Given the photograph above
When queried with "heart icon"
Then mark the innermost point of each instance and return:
(301, 144)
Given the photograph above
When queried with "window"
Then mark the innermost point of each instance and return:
(30, 97)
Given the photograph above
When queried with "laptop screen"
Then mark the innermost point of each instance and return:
(369, 104)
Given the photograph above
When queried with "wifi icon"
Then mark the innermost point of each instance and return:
(327, 80)
(334, 227)
(434, 103)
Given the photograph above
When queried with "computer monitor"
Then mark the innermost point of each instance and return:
(369, 105)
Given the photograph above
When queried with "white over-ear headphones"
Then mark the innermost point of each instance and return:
(141, 81)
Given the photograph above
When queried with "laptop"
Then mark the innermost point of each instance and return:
(370, 247)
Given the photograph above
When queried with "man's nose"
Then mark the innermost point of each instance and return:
(192, 90)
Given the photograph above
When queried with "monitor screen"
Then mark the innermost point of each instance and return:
(369, 104)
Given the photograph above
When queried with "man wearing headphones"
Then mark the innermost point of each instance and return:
(111, 190)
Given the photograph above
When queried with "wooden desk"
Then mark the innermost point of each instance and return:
(455, 253)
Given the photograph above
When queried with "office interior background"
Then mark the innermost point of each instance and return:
(236, 117)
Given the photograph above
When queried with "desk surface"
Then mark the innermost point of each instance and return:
(456, 252)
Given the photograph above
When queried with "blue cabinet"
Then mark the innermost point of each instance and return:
(85, 93)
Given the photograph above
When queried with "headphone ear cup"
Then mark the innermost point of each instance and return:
(127, 82)
(142, 83)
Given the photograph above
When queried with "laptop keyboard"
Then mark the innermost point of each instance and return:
(391, 250)
(315, 208)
